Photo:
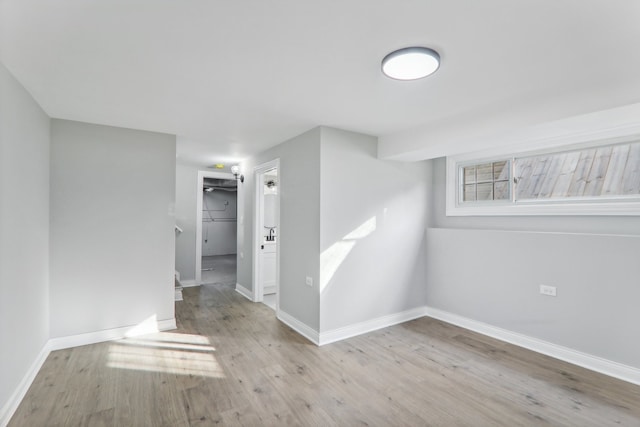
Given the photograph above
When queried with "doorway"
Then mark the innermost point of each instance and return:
(267, 234)
(216, 228)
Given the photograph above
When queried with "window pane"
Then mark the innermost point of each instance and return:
(485, 191)
(631, 177)
(469, 174)
(479, 181)
(501, 190)
(485, 173)
(469, 193)
(501, 171)
(589, 173)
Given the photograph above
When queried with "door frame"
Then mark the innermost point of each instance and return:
(258, 223)
(199, 195)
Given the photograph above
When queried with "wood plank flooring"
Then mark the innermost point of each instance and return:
(232, 363)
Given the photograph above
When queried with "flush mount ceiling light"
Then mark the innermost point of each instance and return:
(411, 63)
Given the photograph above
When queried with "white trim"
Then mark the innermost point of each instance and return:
(594, 363)
(12, 404)
(189, 283)
(371, 325)
(576, 141)
(301, 328)
(201, 176)
(104, 335)
(245, 292)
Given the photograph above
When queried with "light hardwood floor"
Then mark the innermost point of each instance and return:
(232, 363)
(219, 269)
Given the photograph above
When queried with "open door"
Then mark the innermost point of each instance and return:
(267, 234)
(216, 227)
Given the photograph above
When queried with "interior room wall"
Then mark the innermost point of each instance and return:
(112, 227)
(24, 234)
(489, 269)
(220, 234)
(299, 185)
(372, 231)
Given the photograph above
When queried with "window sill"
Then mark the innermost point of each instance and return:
(627, 208)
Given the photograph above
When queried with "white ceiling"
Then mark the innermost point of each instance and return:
(232, 78)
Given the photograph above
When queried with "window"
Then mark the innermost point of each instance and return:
(488, 181)
(592, 173)
(596, 178)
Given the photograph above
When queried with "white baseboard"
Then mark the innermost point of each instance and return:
(109, 334)
(270, 290)
(304, 330)
(594, 363)
(12, 404)
(189, 283)
(371, 325)
(245, 292)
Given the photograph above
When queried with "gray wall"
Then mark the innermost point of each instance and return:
(24, 233)
(299, 186)
(186, 198)
(112, 227)
(372, 231)
(221, 235)
(489, 269)
(343, 212)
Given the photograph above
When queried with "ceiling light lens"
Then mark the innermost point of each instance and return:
(411, 63)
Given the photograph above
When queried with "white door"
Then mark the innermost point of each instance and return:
(267, 231)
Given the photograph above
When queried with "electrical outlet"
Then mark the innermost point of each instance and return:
(308, 281)
(548, 290)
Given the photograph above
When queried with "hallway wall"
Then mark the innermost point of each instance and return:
(186, 195)
(299, 177)
(112, 227)
(24, 235)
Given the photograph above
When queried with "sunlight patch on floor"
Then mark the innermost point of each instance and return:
(160, 344)
(178, 338)
(166, 352)
(147, 326)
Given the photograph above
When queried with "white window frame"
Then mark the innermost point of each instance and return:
(623, 205)
(460, 180)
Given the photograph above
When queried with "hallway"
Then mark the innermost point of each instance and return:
(219, 269)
